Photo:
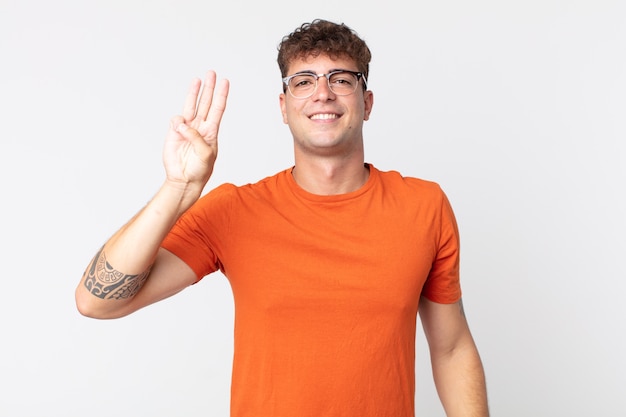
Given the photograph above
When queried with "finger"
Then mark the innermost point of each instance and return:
(206, 97)
(201, 148)
(218, 107)
(175, 122)
(189, 109)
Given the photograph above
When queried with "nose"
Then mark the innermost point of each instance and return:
(323, 91)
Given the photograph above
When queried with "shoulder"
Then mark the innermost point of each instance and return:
(412, 186)
(229, 192)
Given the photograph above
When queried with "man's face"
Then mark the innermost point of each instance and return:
(326, 123)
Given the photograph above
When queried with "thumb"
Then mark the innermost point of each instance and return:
(182, 128)
(189, 133)
(175, 122)
(201, 147)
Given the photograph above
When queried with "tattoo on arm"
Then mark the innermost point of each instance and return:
(104, 281)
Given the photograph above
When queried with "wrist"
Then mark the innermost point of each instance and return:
(176, 197)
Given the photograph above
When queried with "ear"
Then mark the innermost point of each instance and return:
(283, 107)
(368, 100)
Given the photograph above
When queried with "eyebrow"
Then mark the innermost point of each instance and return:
(315, 73)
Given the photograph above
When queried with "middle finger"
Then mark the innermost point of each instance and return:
(206, 97)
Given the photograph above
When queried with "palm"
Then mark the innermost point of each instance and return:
(189, 154)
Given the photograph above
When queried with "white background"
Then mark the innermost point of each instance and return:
(517, 108)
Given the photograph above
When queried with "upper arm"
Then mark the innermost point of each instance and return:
(445, 326)
(169, 275)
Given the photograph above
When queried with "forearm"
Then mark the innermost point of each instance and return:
(120, 269)
(133, 248)
(460, 381)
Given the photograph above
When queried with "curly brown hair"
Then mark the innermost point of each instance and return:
(323, 37)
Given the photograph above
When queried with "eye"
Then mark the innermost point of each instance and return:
(343, 79)
(302, 81)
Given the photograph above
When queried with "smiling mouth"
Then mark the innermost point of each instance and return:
(324, 116)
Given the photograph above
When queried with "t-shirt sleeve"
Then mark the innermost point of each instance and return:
(443, 282)
(198, 236)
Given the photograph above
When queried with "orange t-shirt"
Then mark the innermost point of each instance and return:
(326, 289)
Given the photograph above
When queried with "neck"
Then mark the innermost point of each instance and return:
(330, 177)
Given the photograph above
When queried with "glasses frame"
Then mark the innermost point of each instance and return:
(358, 75)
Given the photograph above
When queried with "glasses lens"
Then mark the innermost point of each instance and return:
(302, 85)
(343, 83)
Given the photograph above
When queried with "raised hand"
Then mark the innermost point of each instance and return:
(191, 144)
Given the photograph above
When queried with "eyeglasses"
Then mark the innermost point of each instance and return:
(340, 82)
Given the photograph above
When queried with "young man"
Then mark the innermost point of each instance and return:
(328, 260)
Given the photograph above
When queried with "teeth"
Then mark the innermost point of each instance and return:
(323, 116)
